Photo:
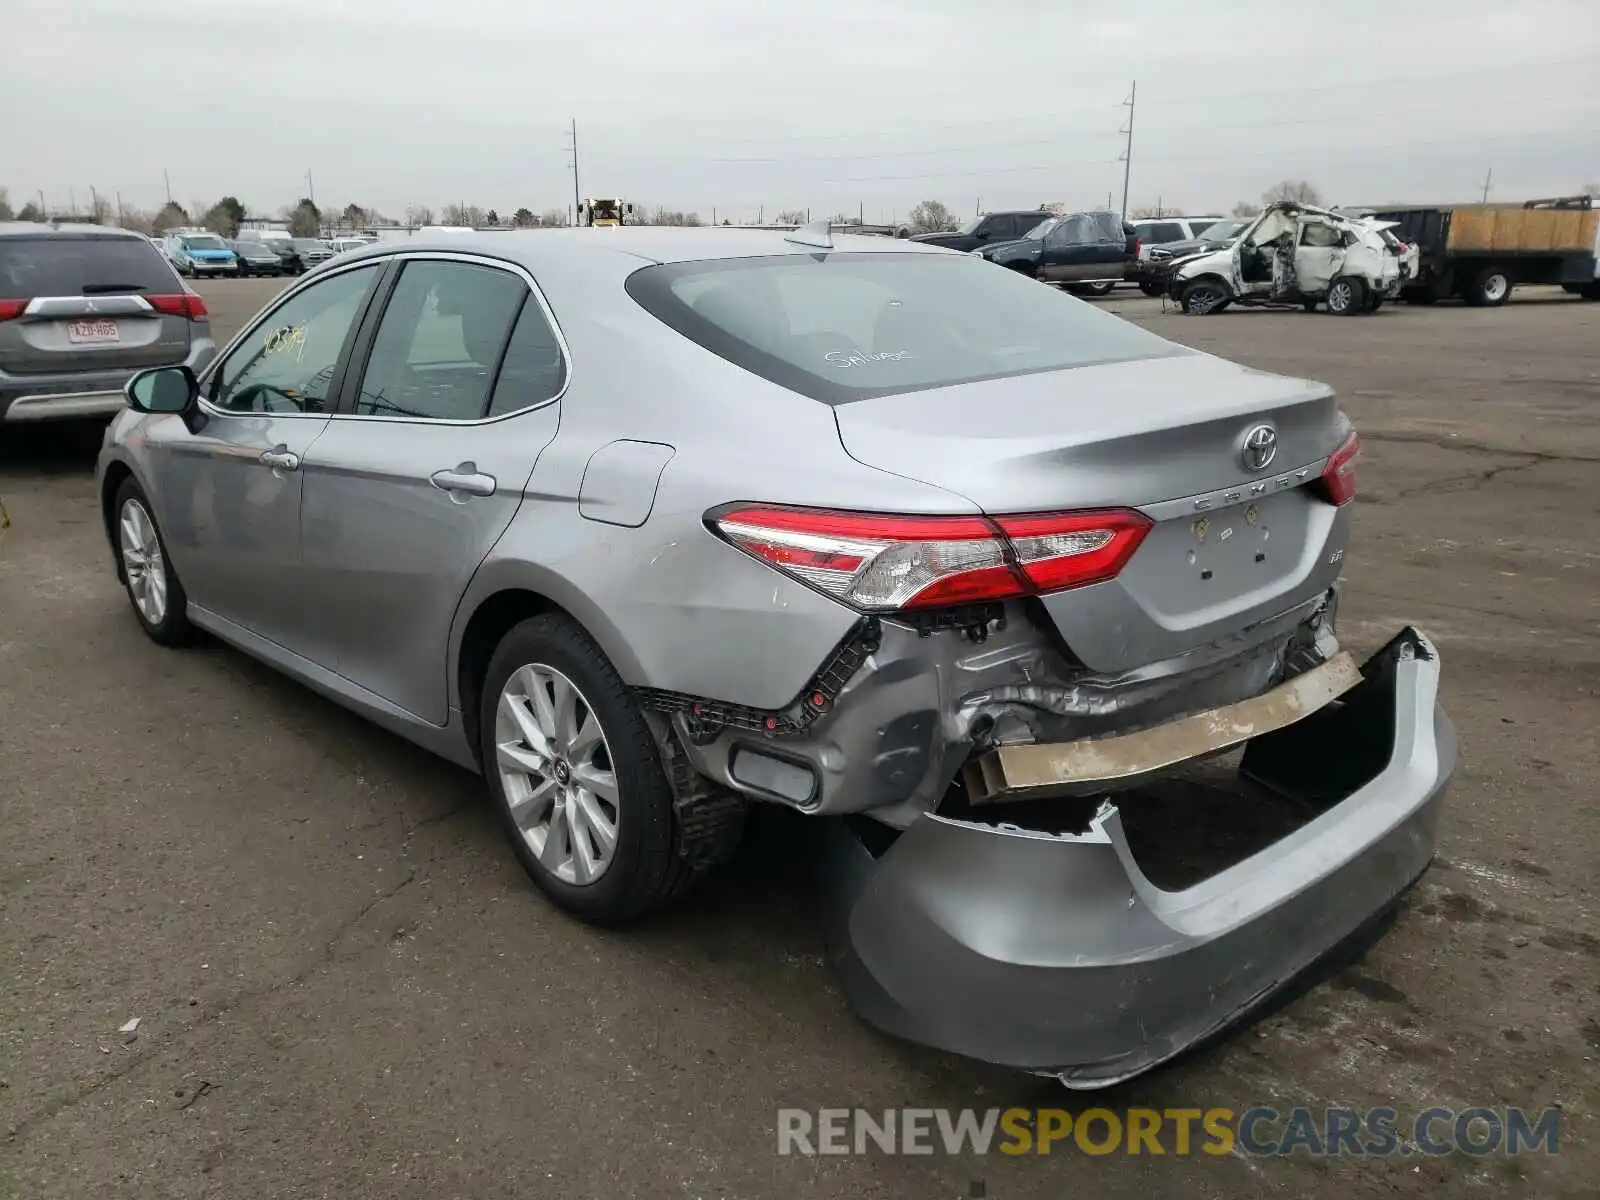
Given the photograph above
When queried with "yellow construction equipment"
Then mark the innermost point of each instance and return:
(601, 212)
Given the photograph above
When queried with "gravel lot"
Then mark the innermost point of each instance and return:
(347, 988)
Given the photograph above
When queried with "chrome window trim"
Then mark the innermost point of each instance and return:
(474, 259)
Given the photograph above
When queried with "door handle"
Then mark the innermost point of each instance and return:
(465, 479)
(281, 459)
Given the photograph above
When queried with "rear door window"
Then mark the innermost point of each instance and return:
(78, 265)
(850, 326)
(444, 330)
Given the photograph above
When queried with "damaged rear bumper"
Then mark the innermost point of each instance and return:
(1054, 953)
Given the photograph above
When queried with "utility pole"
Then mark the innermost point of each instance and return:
(1127, 153)
(94, 203)
(1487, 179)
(577, 202)
(72, 199)
(311, 192)
(120, 218)
(165, 175)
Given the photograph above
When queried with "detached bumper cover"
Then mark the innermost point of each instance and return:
(1055, 954)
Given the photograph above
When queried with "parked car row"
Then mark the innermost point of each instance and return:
(202, 254)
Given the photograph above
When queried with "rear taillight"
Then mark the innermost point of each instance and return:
(882, 563)
(185, 304)
(10, 309)
(1338, 480)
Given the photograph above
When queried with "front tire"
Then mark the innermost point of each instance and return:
(1347, 297)
(153, 587)
(576, 775)
(1205, 296)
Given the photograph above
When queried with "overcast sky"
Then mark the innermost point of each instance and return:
(826, 104)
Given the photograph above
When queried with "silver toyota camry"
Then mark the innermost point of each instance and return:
(649, 526)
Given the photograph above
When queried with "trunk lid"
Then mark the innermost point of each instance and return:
(1231, 546)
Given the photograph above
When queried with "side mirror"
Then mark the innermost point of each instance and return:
(173, 390)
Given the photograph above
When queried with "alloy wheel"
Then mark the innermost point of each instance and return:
(556, 774)
(1340, 297)
(142, 562)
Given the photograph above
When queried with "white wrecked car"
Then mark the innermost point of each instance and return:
(1292, 254)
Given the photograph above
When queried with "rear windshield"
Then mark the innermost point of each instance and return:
(68, 264)
(204, 242)
(844, 327)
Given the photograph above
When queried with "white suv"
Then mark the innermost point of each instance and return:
(1156, 231)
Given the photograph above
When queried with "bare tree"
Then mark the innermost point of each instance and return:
(1156, 210)
(1292, 191)
(931, 216)
(171, 215)
(1588, 189)
(5, 205)
(1246, 209)
(137, 219)
(792, 216)
(419, 214)
(555, 218)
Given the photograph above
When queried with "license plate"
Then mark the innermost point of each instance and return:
(82, 332)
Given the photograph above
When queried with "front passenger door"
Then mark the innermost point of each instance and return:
(423, 468)
(230, 492)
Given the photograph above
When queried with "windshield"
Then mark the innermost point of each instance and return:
(205, 241)
(970, 225)
(1042, 230)
(1221, 231)
(606, 210)
(846, 327)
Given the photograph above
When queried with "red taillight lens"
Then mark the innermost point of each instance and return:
(1062, 550)
(10, 309)
(185, 304)
(882, 563)
(1338, 480)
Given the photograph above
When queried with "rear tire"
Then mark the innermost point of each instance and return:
(153, 587)
(1347, 297)
(1205, 296)
(1102, 288)
(540, 788)
(1490, 288)
(1590, 291)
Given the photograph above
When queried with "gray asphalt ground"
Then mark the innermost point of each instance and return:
(347, 988)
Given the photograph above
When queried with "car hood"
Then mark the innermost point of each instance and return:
(1019, 245)
(936, 239)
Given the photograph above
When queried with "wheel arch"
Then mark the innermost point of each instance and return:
(116, 473)
(500, 601)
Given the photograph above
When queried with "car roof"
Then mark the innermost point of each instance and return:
(649, 244)
(40, 229)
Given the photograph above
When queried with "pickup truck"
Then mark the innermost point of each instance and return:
(990, 229)
(1088, 252)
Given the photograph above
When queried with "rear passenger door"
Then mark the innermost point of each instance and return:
(452, 394)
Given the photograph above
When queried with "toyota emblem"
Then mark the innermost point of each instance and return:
(1259, 448)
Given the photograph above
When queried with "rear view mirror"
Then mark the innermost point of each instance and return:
(163, 390)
